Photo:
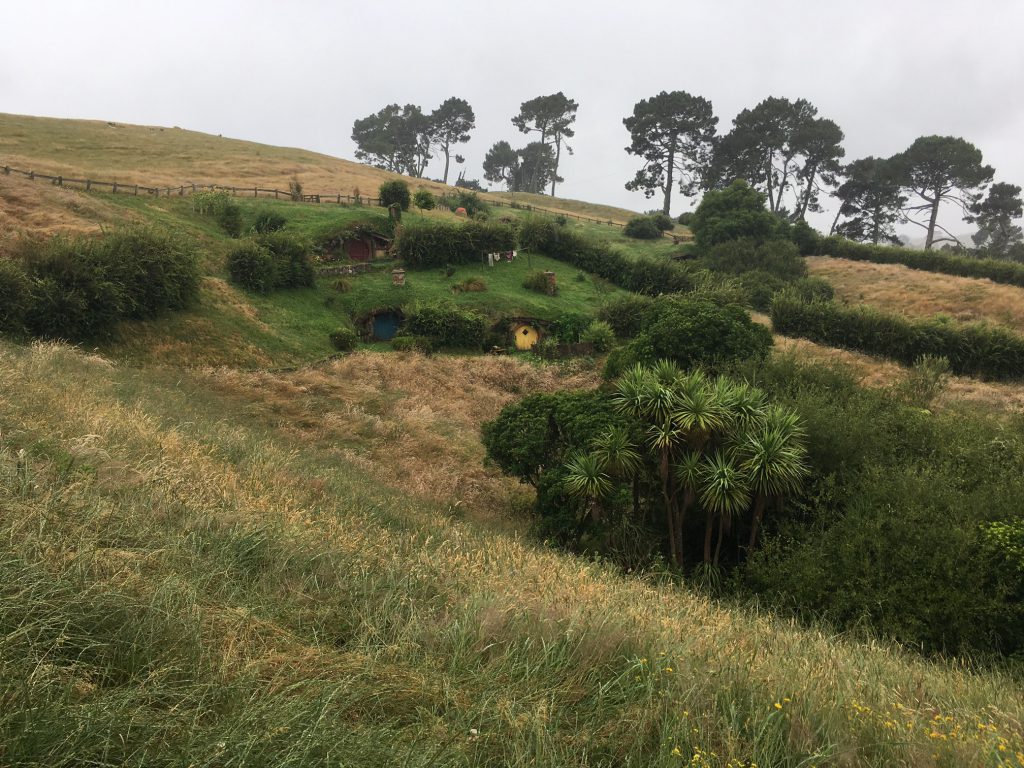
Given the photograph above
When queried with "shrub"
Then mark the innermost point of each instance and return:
(778, 257)
(412, 344)
(424, 200)
(536, 281)
(760, 286)
(470, 285)
(437, 243)
(805, 237)
(159, 271)
(342, 285)
(253, 266)
(395, 192)
(647, 276)
(295, 189)
(229, 217)
(626, 313)
(293, 266)
(15, 297)
(686, 219)
(447, 325)
(600, 334)
(468, 199)
(269, 221)
(813, 289)
(570, 326)
(694, 331)
(344, 339)
(973, 349)
(642, 228)
(732, 213)
(662, 221)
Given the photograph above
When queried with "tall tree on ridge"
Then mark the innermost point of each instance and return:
(451, 123)
(552, 117)
(501, 164)
(938, 169)
(995, 214)
(395, 138)
(673, 133)
(871, 200)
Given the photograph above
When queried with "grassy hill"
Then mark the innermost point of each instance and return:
(219, 548)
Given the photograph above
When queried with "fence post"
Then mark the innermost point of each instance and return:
(60, 181)
(88, 184)
(114, 188)
(193, 189)
(136, 192)
(7, 170)
(32, 175)
(339, 199)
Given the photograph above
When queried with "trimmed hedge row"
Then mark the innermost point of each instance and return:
(271, 262)
(644, 276)
(998, 271)
(975, 349)
(436, 244)
(446, 325)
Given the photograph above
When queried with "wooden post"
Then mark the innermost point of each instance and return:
(32, 175)
(7, 170)
(552, 287)
(60, 181)
(136, 192)
(88, 184)
(255, 191)
(275, 194)
(398, 277)
(113, 188)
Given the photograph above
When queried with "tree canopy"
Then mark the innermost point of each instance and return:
(450, 125)
(673, 133)
(871, 201)
(997, 234)
(552, 117)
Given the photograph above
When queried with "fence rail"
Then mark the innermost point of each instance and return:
(117, 187)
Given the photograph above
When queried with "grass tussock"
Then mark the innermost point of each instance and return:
(185, 583)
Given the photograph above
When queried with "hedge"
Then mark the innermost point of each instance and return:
(998, 271)
(436, 244)
(638, 275)
(446, 325)
(271, 262)
(975, 349)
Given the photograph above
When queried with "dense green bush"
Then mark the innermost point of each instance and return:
(570, 326)
(805, 237)
(395, 192)
(693, 331)
(778, 257)
(663, 221)
(229, 217)
(344, 339)
(424, 200)
(760, 286)
(647, 276)
(600, 334)
(733, 213)
(15, 297)
(252, 266)
(536, 281)
(626, 313)
(468, 199)
(642, 228)
(412, 344)
(447, 325)
(437, 243)
(973, 349)
(158, 270)
(686, 218)
(998, 271)
(291, 254)
(269, 221)
(81, 287)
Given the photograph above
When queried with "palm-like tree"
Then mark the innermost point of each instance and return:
(775, 462)
(586, 478)
(621, 458)
(725, 491)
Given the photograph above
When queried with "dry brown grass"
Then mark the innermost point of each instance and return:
(896, 288)
(408, 420)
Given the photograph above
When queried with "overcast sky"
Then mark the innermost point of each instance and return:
(298, 73)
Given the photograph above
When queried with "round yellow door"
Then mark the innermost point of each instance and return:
(526, 336)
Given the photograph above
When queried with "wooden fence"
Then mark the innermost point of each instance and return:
(117, 187)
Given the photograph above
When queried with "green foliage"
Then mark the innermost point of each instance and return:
(760, 286)
(436, 244)
(733, 213)
(777, 257)
(805, 237)
(662, 221)
(395, 192)
(412, 344)
(469, 200)
(447, 325)
(252, 266)
(686, 218)
(600, 334)
(626, 313)
(536, 281)
(972, 349)
(570, 326)
(693, 331)
(998, 271)
(424, 200)
(229, 217)
(293, 266)
(642, 228)
(268, 221)
(344, 339)
(646, 276)
(81, 287)
(15, 297)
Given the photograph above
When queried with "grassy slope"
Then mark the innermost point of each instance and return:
(196, 571)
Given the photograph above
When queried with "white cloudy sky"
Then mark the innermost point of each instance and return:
(298, 73)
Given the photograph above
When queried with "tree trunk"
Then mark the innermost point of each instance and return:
(931, 222)
(832, 229)
(667, 205)
(806, 197)
(769, 183)
(669, 517)
(756, 524)
(721, 535)
(558, 157)
(709, 527)
(447, 158)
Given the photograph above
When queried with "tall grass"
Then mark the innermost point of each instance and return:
(186, 583)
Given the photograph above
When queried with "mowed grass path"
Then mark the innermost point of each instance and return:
(189, 579)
